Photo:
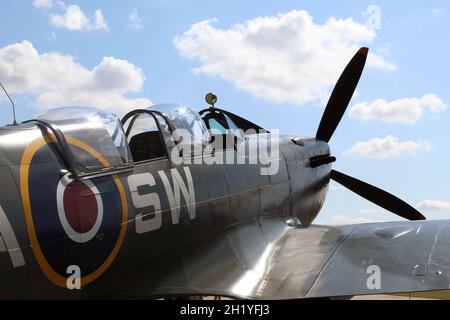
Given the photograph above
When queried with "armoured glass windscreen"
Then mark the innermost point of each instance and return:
(216, 127)
(237, 132)
(96, 138)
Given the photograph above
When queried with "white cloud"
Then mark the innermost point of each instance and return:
(341, 219)
(58, 80)
(387, 147)
(369, 212)
(43, 3)
(283, 58)
(135, 22)
(404, 111)
(74, 19)
(377, 61)
(433, 102)
(433, 205)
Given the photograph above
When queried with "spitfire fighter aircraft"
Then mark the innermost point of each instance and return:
(93, 207)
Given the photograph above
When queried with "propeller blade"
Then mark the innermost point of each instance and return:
(341, 95)
(377, 196)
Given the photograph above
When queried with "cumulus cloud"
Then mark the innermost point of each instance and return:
(341, 219)
(135, 22)
(433, 205)
(58, 80)
(369, 212)
(387, 147)
(283, 58)
(75, 19)
(403, 111)
(43, 3)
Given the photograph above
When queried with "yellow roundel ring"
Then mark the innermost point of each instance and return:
(56, 278)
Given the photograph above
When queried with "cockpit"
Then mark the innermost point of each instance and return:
(94, 143)
(152, 133)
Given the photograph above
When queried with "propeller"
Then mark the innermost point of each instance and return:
(335, 109)
(377, 196)
(341, 95)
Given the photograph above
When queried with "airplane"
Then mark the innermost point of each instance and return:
(96, 207)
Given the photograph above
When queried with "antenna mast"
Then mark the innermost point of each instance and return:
(12, 102)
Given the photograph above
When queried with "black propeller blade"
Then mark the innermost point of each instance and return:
(339, 100)
(377, 196)
(341, 95)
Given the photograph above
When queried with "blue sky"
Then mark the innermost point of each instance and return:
(271, 61)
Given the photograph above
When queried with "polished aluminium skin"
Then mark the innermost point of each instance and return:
(234, 232)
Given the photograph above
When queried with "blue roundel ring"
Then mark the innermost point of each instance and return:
(81, 223)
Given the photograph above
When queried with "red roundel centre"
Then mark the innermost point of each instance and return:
(80, 206)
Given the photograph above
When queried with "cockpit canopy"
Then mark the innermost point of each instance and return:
(95, 138)
(95, 142)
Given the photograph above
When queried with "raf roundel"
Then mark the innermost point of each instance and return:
(87, 217)
(80, 208)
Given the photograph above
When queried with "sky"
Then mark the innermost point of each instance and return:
(274, 62)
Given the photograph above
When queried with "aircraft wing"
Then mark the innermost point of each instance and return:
(268, 259)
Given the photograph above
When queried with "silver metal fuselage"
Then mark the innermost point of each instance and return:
(226, 196)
